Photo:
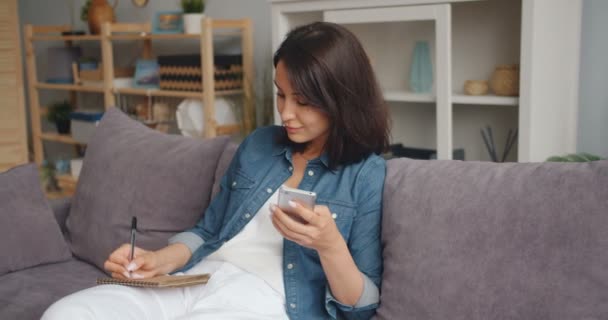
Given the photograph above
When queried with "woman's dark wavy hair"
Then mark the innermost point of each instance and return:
(327, 65)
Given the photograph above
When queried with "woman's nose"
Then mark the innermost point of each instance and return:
(288, 111)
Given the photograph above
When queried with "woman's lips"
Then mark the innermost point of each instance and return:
(292, 129)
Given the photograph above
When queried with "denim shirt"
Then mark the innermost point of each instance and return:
(353, 194)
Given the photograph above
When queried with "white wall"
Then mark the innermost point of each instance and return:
(593, 111)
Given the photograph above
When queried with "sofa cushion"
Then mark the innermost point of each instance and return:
(131, 170)
(470, 240)
(26, 294)
(29, 233)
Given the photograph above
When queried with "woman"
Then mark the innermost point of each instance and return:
(266, 264)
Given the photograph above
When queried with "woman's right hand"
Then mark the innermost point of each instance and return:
(146, 264)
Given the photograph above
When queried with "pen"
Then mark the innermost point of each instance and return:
(133, 229)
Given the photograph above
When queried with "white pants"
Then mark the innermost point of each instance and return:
(231, 293)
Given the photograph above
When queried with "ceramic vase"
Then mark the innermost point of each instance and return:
(99, 13)
(505, 80)
(421, 70)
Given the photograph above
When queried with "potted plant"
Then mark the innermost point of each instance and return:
(59, 114)
(84, 11)
(193, 14)
(47, 177)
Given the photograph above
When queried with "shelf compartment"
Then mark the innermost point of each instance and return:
(63, 138)
(493, 100)
(68, 87)
(173, 93)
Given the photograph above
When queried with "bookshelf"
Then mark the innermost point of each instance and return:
(112, 32)
(467, 39)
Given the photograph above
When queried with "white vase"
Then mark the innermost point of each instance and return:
(192, 23)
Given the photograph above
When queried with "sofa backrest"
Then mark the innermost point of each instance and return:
(473, 240)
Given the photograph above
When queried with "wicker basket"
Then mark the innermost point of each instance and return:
(183, 72)
(476, 87)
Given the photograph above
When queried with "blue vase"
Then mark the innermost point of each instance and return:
(421, 70)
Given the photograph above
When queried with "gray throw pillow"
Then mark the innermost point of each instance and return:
(130, 170)
(29, 233)
(472, 240)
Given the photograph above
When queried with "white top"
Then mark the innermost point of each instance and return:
(257, 249)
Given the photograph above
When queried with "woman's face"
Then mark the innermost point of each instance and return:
(303, 122)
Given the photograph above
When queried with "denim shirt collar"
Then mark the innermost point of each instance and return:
(287, 151)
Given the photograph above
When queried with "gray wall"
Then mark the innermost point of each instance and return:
(593, 112)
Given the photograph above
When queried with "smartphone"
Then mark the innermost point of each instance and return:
(306, 198)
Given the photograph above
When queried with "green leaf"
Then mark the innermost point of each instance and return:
(193, 6)
(59, 111)
(575, 157)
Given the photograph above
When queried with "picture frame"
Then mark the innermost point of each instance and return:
(168, 22)
(147, 74)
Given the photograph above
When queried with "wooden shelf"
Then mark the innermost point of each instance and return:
(67, 183)
(457, 98)
(87, 37)
(177, 36)
(241, 29)
(174, 93)
(485, 100)
(58, 194)
(63, 138)
(228, 129)
(149, 36)
(68, 87)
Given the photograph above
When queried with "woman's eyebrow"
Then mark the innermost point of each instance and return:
(278, 87)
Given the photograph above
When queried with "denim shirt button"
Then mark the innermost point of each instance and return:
(290, 266)
(311, 173)
(247, 216)
(290, 168)
(269, 190)
(334, 215)
(292, 305)
(234, 183)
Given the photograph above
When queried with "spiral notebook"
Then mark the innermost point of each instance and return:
(165, 281)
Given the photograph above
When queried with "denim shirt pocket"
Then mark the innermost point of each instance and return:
(343, 213)
(239, 185)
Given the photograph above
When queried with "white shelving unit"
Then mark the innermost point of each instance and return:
(406, 96)
(467, 39)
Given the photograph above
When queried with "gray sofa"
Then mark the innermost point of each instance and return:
(461, 240)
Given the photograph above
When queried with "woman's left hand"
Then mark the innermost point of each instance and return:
(319, 231)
